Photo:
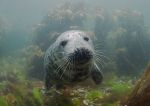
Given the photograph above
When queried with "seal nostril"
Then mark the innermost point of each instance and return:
(79, 63)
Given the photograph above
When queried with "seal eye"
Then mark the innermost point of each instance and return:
(86, 38)
(63, 43)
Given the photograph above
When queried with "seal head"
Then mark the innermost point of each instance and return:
(70, 59)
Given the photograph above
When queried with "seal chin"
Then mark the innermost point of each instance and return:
(81, 56)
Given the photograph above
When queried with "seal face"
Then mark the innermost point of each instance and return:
(70, 59)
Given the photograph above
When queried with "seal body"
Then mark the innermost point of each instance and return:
(70, 59)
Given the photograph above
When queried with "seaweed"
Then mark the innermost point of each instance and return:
(127, 44)
(128, 39)
(141, 91)
(64, 17)
(19, 91)
(3, 102)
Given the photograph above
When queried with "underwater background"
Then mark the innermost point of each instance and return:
(121, 30)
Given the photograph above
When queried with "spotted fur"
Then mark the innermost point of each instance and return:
(70, 59)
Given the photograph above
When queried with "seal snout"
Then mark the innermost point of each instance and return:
(71, 59)
(81, 56)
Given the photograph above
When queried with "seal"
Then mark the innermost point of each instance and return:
(71, 59)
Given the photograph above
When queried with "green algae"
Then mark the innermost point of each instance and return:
(38, 95)
(121, 88)
(94, 95)
(17, 90)
(3, 102)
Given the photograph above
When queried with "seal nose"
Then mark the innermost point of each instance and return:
(81, 56)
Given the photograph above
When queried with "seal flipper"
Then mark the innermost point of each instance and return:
(96, 74)
(48, 84)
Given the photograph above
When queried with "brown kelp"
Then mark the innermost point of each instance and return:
(128, 39)
(124, 36)
(141, 91)
(62, 18)
(15, 90)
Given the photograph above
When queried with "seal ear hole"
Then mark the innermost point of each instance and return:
(86, 38)
(63, 43)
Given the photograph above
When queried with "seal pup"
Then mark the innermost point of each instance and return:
(71, 59)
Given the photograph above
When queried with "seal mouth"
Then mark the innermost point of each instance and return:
(81, 56)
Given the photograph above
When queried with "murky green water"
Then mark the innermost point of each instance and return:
(121, 33)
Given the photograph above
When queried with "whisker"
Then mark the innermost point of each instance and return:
(100, 59)
(64, 70)
(61, 65)
(69, 70)
(99, 65)
(59, 60)
(100, 51)
(101, 62)
(102, 56)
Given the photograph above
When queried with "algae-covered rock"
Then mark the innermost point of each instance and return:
(29, 93)
(34, 57)
(61, 19)
(67, 16)
(94, 95)
(3, 101)
(128, 41)
(141, 91)
(11, 69)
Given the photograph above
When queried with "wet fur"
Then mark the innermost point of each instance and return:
(58, 70)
